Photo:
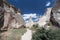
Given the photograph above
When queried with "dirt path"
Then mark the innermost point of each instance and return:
(27, 35)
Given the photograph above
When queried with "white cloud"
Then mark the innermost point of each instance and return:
(48, 4)
(26, 21)
(36, 19)
(27, 16)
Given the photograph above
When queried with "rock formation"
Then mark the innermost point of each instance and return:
(30, 23)
(55, 14)
(1, 14)
(45, 18)
(12, 17)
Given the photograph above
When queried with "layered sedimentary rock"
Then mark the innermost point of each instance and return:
(42, 21)
(56, 6)
(12, 17)
(55, 14)
(45, 18)
(1, 14)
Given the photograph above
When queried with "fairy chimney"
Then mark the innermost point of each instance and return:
(30, 23)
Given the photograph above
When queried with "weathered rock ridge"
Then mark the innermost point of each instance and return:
(55, 14)
(11, 17)
(1, 14)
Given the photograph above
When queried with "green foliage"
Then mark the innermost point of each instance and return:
(35, 26)
(57, 34)
(42, 34)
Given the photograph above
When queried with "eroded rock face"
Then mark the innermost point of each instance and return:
(12, 17)
(56, 11)
(55, 14)
(53, 20)
(1, 14)
(56, 6)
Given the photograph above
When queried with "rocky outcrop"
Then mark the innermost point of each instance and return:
(55, 14)
(1, 14)
(42, 21)
(53, 21)
(30, 23)
(56, 6)
(45, 18)
(12, 17)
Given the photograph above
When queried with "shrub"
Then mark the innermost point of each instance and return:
(35, 26)
(42, 34)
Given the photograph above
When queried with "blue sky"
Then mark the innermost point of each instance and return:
(32, 8)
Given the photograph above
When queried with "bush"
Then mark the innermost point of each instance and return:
(42, 34)
(35, 26)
